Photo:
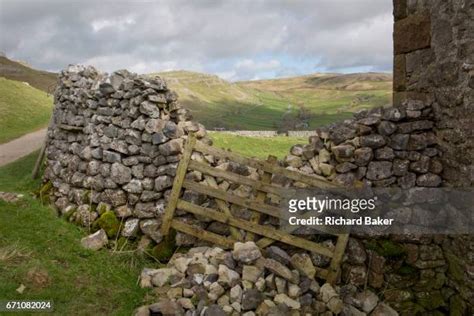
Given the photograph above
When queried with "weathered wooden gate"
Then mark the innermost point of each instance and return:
(257, 204)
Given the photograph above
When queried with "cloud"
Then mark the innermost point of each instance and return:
(240, 40)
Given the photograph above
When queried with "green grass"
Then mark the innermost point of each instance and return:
(277, 104)
(259, 147)
(18, 71)
(23, 109)
(34, 242)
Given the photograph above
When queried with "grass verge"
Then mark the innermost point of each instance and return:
(42, 252)
(24, 109)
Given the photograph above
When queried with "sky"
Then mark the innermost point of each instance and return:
(234, 39)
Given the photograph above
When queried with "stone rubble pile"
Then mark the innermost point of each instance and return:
(381, 147)
(212, 282)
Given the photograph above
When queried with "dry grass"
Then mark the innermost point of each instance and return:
(14, 253)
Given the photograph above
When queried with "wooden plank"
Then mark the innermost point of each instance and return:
(316, 181)
(39, 160)
(269, 232)
(261, 195)
(234, 199)
(335, 266)
(265, 242)
(253, 205)
(177, 184)
(203, 234)
(236, 178)
(42, 153)
(224, 208)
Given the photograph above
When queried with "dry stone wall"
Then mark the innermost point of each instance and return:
(114, 144)
(381, 147)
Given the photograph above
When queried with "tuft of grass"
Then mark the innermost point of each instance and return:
(13, 254)
(43, 252)
(24, 109)
(259, 147)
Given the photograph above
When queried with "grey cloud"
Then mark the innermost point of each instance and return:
(154, 35)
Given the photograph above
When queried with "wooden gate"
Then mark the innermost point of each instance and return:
(257, 205)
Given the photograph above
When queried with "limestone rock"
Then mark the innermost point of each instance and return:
(246, 252)
(95, 241)
(302, 262)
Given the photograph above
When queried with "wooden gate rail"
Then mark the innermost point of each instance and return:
(257, 205)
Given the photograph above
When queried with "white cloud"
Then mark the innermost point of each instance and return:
(237, 39)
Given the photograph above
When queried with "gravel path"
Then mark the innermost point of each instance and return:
(22, 146)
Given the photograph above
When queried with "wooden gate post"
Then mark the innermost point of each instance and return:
(177, 184)
(266, 178)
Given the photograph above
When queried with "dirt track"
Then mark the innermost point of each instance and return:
(22, 146)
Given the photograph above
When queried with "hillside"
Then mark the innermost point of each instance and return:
(303, 102)
(39, 79)
(24, 109)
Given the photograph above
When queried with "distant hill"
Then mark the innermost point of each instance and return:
(23, 109)
(303, 102)
(15, 70)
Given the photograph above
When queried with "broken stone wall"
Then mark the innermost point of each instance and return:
(425, 140)
(113, 148)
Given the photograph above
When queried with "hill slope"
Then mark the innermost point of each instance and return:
(39, 79)
(290, 103)
(23, 109)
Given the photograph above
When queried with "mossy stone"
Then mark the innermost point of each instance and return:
(109, 222)
(439, 280)
(455, 266)
(69, 213)
(411, 309)
(407, 270)
(430, 300)
(102, 208)
(457, 307)
(386, 248)
(166, 248)
(86, 196)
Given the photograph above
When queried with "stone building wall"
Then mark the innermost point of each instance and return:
(434, 65)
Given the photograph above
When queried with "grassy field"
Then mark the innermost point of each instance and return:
(13, 70)
(23, 109)
(259, 147)
(314, 100)
(42, 252)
